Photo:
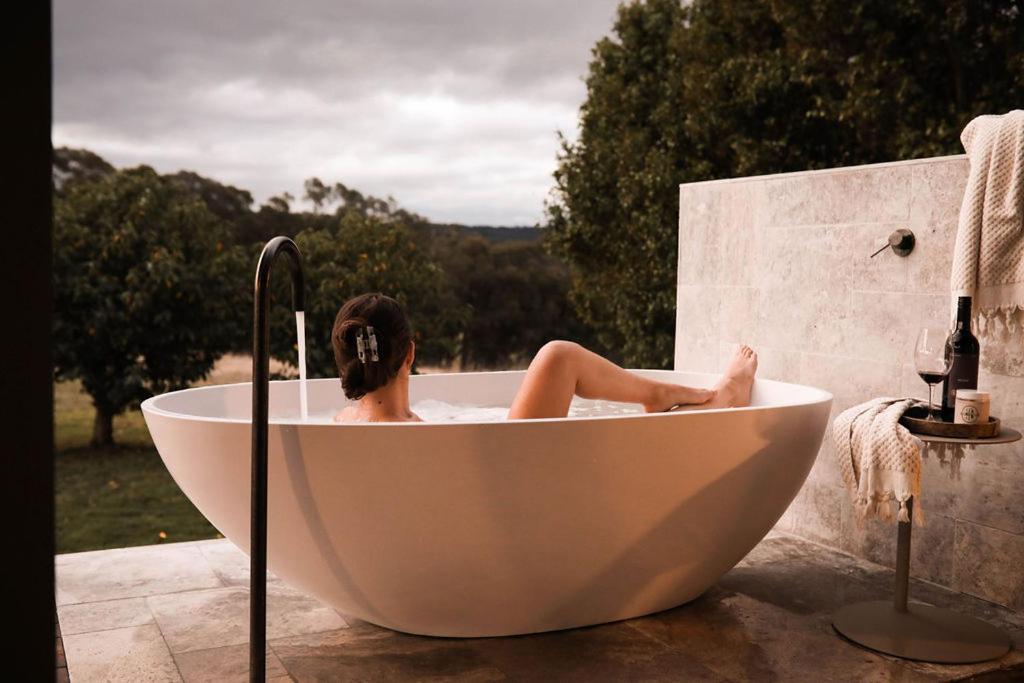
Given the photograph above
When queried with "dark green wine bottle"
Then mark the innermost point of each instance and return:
(966, 351)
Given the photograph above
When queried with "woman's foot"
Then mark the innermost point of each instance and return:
(733, 390)
(668, 396)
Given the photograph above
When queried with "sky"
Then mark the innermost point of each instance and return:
(450, 106)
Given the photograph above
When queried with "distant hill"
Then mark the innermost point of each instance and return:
(235, 205)
(492, 233)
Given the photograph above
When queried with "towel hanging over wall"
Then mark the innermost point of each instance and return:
(988, 259)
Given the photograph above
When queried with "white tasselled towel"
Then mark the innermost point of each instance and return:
(879, 459)
(988, 259)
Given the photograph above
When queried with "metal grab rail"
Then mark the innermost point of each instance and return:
(260, 416)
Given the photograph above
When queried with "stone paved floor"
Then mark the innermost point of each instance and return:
(180, 612)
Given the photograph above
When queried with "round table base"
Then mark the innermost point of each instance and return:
(923, 632)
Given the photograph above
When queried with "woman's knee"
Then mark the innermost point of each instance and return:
(558, 351)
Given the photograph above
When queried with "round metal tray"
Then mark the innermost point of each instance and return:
(915, 420)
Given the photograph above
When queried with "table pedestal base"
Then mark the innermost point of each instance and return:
(923, 632)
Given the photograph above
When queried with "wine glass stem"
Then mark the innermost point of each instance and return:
(931, 408)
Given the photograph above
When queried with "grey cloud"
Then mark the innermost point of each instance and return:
(452, 107)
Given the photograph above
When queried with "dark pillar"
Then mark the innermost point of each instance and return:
(26, 375)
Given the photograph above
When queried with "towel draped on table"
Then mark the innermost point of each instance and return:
(879, 458)
(988, 259)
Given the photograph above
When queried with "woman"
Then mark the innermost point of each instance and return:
(374, 351)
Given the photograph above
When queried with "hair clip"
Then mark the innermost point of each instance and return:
(371, 343)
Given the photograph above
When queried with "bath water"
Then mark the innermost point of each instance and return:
(300, 328)
(433, 410)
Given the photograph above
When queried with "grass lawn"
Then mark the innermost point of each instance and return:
(124, 496)
(112, 498)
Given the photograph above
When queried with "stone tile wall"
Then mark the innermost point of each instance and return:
(782, 263)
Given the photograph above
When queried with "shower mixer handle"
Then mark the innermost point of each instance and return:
(900, 241)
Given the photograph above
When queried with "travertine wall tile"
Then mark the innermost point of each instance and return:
(936, 191)
(818, 512)
(697, 327)
(1007, 395)
(851, 380)
(992, 487)
(1004, 359)
(782, 365)
(988, 564)
(867, 194)
(931, 549)
(884, 325)
(739, 319)
(815, 319)
(700, 216)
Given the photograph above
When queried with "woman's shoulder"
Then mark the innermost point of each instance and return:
(349, 414)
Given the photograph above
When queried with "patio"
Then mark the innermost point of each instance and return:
(179, 612)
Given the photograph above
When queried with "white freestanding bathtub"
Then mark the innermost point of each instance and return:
(496, 528)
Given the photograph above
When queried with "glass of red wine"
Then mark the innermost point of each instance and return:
(933, 357)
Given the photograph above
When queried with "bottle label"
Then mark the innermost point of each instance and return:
(963, 375)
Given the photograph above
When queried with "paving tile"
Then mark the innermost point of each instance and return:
(135, 653)
(609, 652)
(103, 615)
(767, 619)
(224, 665)
(229, 563)
(745, 639)
(132, 572)
(1010, 622)
(199, 620)
(783, 570)
(365, 652)
(805, 578)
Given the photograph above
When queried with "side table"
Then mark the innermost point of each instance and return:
(915, 630)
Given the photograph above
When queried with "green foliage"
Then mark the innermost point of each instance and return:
(145, 289)
(724, 88)
(361, 254)
(517, 296)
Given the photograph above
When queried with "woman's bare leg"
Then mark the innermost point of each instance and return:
(562, 369)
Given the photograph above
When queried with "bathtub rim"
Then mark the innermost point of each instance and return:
(818, 396)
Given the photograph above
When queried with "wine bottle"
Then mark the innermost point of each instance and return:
(964, 372)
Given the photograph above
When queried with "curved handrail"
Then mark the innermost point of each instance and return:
(260, 410)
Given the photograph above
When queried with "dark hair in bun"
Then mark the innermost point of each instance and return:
(391, 328)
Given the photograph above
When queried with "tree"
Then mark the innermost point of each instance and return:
(72, 165)
(365, 254)
(225, 201)
(517, 297)
(317, 193)
(724, 88)
(613, 214)
(145, 297)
